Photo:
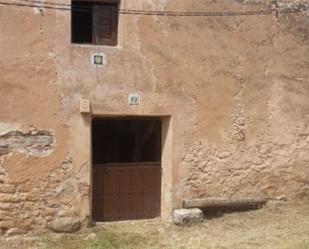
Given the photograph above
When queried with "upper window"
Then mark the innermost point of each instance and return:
(95, 22)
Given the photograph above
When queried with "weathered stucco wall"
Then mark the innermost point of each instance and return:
(236, 89)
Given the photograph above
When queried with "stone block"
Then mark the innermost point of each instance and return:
(65, 225)
(184, 216)
(16, 223)
(7, 188)
(4, 150)
(15, 231)
(10, 198)
(9, 206)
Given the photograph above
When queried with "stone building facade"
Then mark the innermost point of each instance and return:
(231, 93)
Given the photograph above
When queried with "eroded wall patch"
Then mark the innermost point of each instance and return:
(35, 142)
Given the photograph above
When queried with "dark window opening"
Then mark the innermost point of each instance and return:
(126, 140)
(94, 22)
(81, 22)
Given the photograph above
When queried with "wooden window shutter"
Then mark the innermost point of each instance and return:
(105, 22)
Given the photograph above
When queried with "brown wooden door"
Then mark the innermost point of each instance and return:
(126, 191)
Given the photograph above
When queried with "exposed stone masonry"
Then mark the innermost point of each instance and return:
(259, 169)
(33, 143)
(27, 206)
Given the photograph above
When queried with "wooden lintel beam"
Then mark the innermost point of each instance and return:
(224, 202)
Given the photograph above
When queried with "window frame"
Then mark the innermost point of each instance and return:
(95, 39)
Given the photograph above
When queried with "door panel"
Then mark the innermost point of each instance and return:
(126, 191)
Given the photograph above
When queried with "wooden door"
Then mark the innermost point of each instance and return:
(126, 191)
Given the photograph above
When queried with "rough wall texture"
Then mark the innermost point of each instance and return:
(236, 89)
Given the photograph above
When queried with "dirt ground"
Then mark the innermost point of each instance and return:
(280, 225)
